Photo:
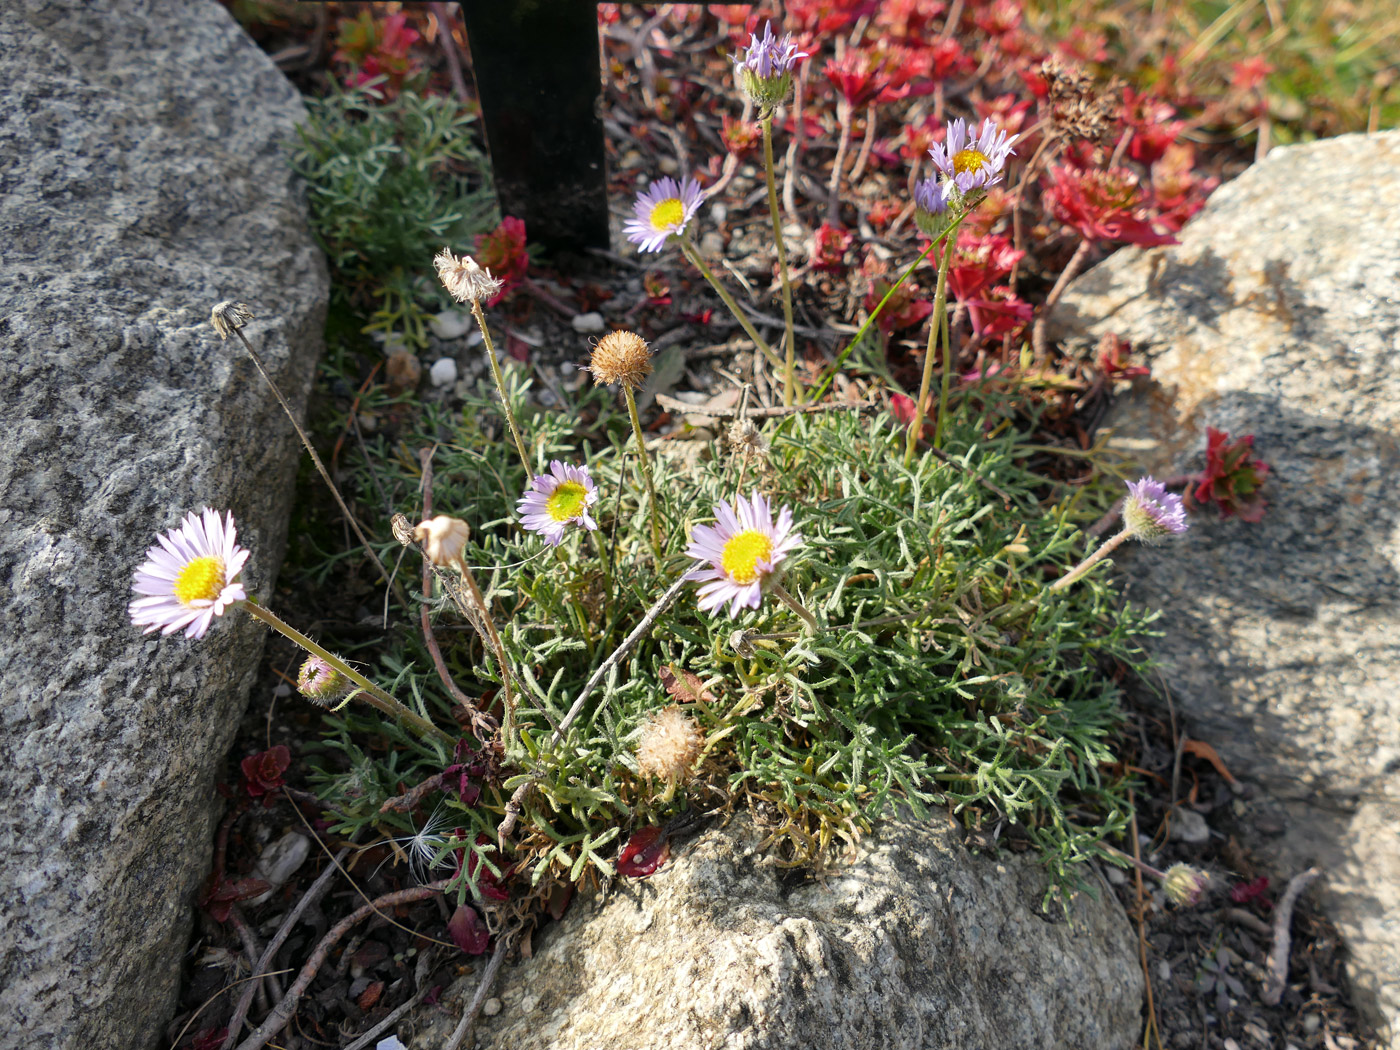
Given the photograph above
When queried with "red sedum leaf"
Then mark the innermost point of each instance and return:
(644, 853)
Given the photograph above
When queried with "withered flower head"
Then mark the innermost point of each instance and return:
(747, 440)
(1080, 108)
(228, 316)
(464, 279)
(443, 539)
(621, 357)
(669, 745)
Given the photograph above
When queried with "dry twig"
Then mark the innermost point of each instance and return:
(1272, 992)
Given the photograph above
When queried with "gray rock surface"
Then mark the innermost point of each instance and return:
(141, 181)
(915, 944)
(1279, 315)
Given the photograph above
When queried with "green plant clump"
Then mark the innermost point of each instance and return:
(943, 674)
(385, 179)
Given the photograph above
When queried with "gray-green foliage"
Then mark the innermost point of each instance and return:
(388, 181)
(944, 677)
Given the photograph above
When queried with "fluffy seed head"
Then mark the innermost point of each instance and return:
(670, 743)
(443, 539)
(621, 357)
(227, 317)
(1185, 885)
(464, 279)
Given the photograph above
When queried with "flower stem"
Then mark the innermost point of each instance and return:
(690, 253)
(792, 603)
(375, 696)
(1109, 545)
(940, 300)
(645, 461)
(501, 386)
(790, 391)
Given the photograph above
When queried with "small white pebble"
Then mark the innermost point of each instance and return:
(712, 244)
(443, 372)
(282, 691)
(1164, 970)
(491, 1007)
(474, 337)
(451, 324)
(589, 324)
(1311, 1023)
(391, 1043)
(1230, 1044)
(1190, 827)
(529, 1004)
(718, 213)
(669, 166)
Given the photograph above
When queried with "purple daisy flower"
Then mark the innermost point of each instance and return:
(190, 577)
(557, 499)
(768, 57)
(742, 550)
(1151, 512)
(662, 211)
(973, 163)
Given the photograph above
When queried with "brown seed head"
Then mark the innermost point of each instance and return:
(669, 746)
(621, 357)
(1080, 107)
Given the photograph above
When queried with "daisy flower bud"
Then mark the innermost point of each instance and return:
(321, 683)
(558, 499)
(663, 212)
(670, 743)
(443, 539)
(464, 279)
(931, 207)
(740, 554)
(1185, 885)
(190, 577)
(765, 70)
(620, 357)
(1151, 513)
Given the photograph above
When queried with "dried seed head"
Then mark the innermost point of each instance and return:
(227, 317)
(747, 440)
(1185, 885)
(1080, 108)
(443, 539)
(669, 746)
(621, 357)
(466, 281)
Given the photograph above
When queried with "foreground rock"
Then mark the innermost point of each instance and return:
(1279, 314)
(142, 182)
(916, 944)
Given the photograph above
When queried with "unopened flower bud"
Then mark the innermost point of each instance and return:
(621, 357)
(931, 212)
(1185, 885)
(764, 71)
(464, 279)
(443, 539)
(321, 683)
(670, 743)
(1151, 512)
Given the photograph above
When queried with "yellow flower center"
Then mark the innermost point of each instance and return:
(742, 554)
(966, 160)
(200, 580)
(667, 213)
(567, 501)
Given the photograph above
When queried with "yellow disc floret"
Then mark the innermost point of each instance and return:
(667, 214)
(201, 580)
(966, 160)
(567, 501)
(743, 552)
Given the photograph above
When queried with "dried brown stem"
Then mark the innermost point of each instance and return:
(1076, 261)
(283, 1011)
(1272, 992)
(464, 1028)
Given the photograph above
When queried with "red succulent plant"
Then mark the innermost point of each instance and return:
(1233, 476)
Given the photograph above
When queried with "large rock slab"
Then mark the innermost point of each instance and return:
(142, 180)
(915, 944)
(1279, 314)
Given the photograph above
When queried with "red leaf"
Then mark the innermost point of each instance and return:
(222, 894)
(262, 773)
(685, 687)
(370, 996)
(645, 851)
(468, 930)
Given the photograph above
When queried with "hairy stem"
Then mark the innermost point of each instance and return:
(645, 460)
(940, 299)
(789, 372)
(501, 386)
